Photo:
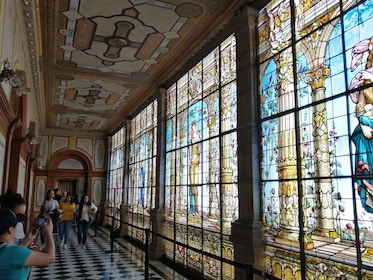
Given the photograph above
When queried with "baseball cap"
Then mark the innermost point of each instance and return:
(9, 219)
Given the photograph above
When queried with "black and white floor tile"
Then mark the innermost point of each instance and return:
(97, 262)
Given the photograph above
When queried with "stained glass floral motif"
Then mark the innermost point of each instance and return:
(316, 136)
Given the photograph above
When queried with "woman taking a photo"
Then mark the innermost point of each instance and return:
(16, 261)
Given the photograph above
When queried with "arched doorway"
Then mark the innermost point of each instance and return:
(71, 171)
(75, 182)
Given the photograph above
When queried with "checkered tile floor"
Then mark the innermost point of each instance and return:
(96, 262)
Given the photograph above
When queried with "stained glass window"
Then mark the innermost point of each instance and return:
(116, 171)
(201, 163)
(316, 77)
(142, 169)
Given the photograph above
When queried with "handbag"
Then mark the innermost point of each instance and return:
(91, 217)
(57, 215)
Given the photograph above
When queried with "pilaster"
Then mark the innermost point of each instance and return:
(156, 249)
(157, 214)
(124, 228)
(246, 232)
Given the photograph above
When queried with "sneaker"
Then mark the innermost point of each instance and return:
(78, 246)
(65, 246)
(61, 244)
(84, 247)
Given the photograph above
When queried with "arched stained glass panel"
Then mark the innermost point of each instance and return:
(201, 163)
(116, 174)
(317, 128)
(142, 168)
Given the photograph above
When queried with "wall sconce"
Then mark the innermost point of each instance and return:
(7, 72)
(38, 159)
(15, 80)
(35, 140)
(31, 134)
(22, 89)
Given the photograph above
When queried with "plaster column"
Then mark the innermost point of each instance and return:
(107, 203)
(325, 230)
(157, 214)
(124, 213)
(12, 126)
(246, 232)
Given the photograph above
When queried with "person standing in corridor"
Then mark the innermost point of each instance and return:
(85, 217)
(66, 222)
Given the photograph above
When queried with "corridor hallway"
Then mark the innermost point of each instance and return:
(98, 262)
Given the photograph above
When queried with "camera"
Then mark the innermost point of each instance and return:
(41, 220)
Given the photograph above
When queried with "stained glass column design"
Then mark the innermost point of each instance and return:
(172, 171)
(226, 170)
(213, 203)
(287, 159)
(179, 196)
(325, 221)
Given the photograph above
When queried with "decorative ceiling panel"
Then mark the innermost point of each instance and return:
(101, 62)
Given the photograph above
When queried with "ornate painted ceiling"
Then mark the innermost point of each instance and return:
(98, 62)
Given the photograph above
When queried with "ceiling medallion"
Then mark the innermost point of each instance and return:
(139, 74)
(64, 77)
(189, 10)
(118, 42)
(66, 63)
